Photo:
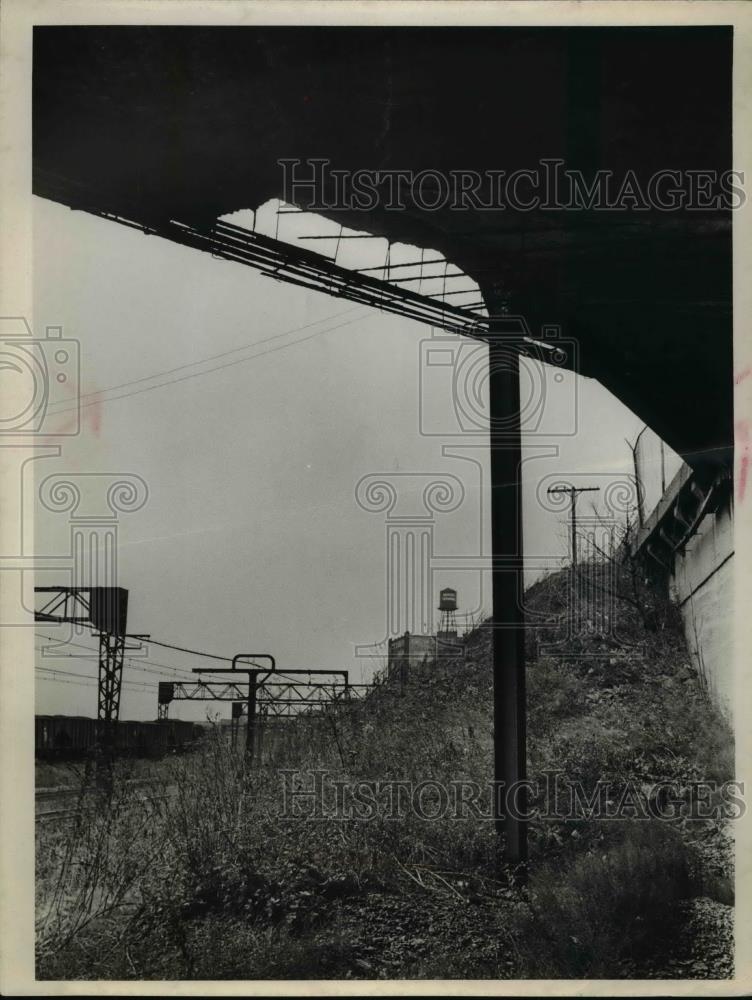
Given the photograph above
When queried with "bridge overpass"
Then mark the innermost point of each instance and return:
(171, 129)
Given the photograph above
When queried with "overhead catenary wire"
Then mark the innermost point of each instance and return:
(196, 652)
(166, 645)
(129, 659)
(175, 673)
(72, 673)
(185, 649)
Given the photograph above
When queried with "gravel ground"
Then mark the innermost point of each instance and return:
(705, 949)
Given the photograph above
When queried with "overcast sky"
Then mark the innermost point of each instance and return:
(252, 409)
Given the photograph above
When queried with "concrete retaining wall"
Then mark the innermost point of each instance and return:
(698, 555)
(702, 583)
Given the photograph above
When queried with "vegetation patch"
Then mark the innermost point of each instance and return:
(207, 876)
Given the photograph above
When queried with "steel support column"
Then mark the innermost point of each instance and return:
(111, 652)
(508, 588)
(235, 717)
(251, 727)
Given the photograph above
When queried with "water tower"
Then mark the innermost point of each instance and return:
(448, 609)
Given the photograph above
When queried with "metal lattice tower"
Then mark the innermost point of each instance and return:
(104, 610)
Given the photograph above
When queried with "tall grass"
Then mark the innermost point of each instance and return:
(203, 877)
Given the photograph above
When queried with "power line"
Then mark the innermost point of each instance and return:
(214, 357)
(183, 649)
(72, 673)
(60, 680)
(173, 671)
(86, 684)
(92, 684)
(130, 659)
(207, 371)
(134, 666)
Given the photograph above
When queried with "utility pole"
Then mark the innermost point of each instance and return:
(573, 492)
(638, 483)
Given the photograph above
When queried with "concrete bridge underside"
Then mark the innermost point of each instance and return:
(160, 125)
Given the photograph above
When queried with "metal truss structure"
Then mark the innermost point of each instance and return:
(269, 694)
(305, 268)
(104, 610)
(283, 698)
(293, 264)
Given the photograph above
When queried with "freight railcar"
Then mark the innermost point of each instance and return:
(76, 736)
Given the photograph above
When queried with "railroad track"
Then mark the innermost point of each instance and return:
(60, 810)
(58, 814)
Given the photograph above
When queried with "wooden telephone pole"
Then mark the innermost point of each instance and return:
(573, 492)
